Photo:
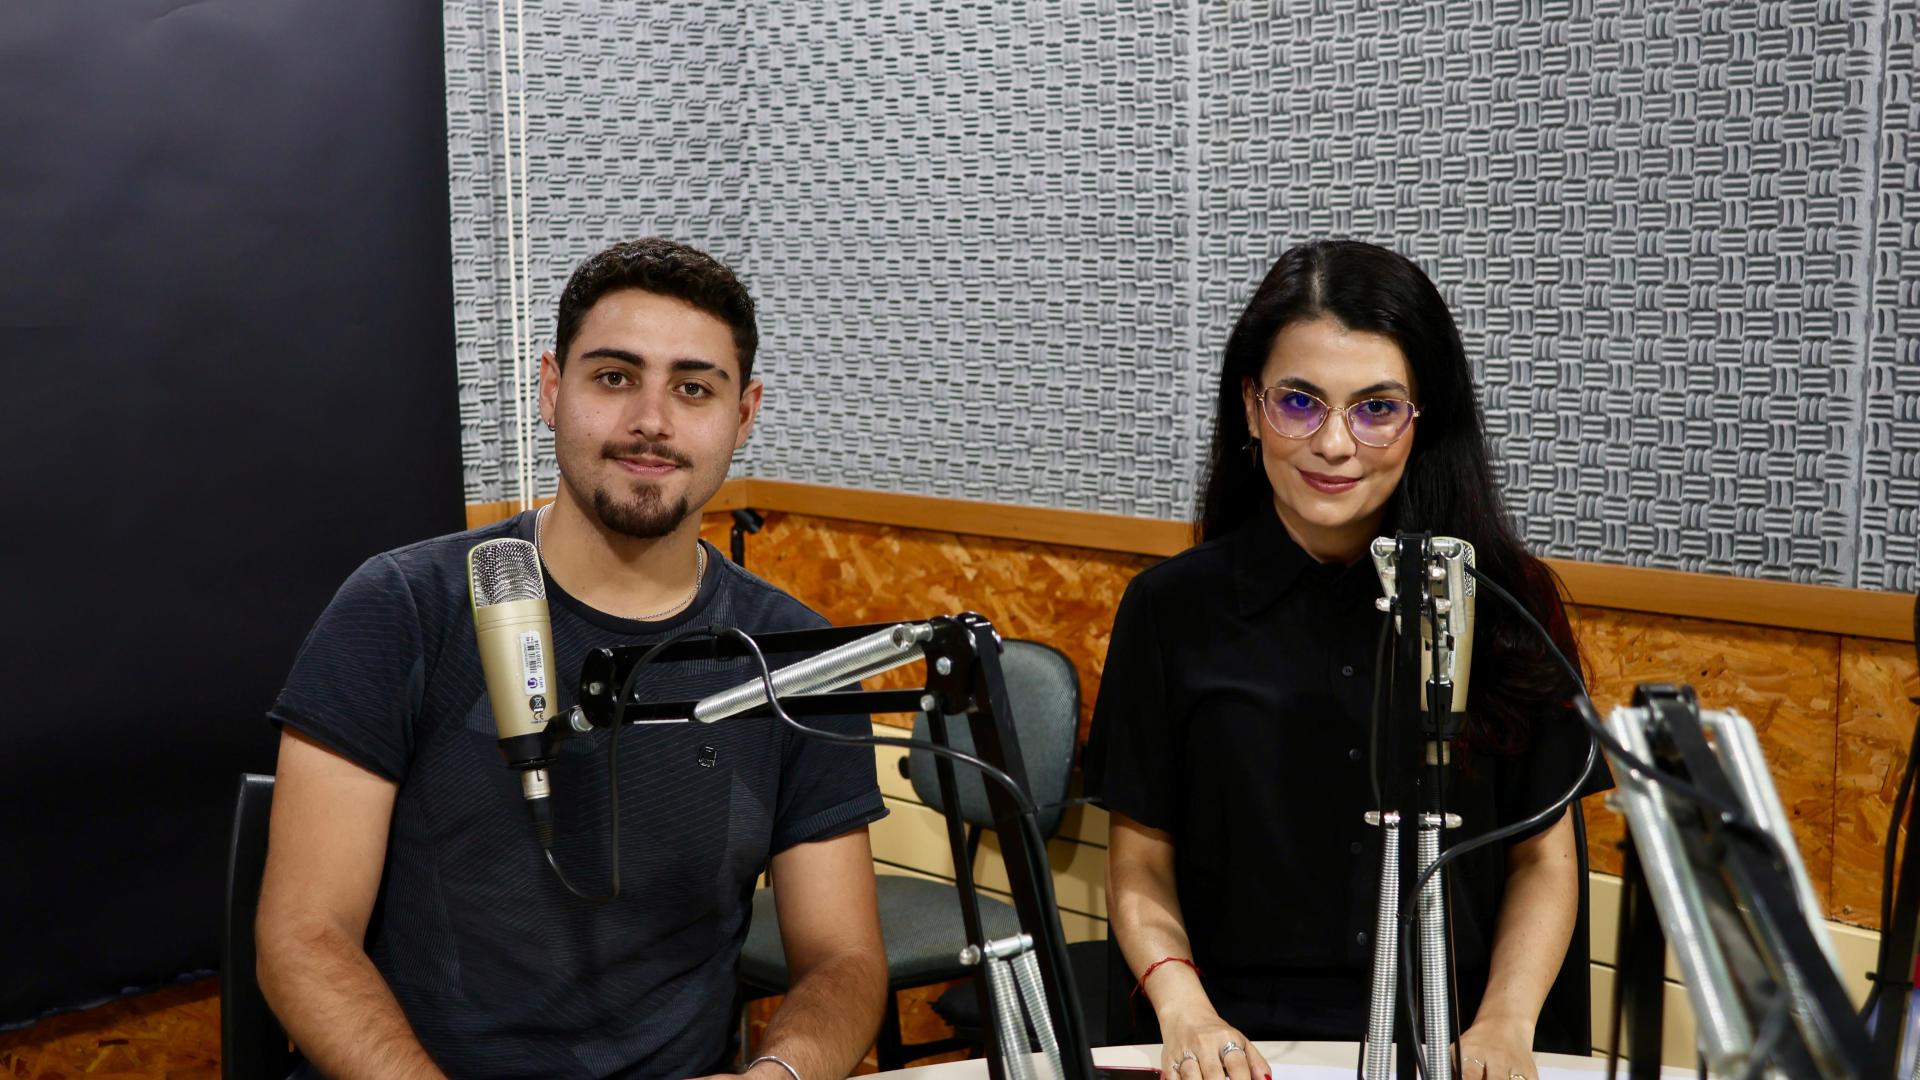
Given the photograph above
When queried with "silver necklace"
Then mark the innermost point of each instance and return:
(699, 565)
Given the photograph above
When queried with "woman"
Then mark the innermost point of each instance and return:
(1230, 731)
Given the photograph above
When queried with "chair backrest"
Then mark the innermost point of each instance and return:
(252, 1044)
(1044, 693)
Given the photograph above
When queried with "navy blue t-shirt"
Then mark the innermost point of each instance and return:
(499, 969)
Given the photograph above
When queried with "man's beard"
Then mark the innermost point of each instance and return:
(644, 514)
(647, 516)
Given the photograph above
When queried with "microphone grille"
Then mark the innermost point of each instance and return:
(503, 571)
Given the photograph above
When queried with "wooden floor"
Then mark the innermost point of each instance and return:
(174, 1034)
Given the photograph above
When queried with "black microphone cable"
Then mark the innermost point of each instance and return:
(613, 774)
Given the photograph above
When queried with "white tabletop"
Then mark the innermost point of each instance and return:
(1293, 1060)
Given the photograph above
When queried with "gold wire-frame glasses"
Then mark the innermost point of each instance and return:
(1293, 413)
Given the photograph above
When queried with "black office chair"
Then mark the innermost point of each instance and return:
(919, 918)
(253, 1046)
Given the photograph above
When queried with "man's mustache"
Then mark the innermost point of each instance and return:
(643, 448)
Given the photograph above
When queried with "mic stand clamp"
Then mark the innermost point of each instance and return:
(746, 520)
(1018, 999)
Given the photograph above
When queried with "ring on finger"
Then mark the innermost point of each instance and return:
(1231, 1048)
(1184, 1058)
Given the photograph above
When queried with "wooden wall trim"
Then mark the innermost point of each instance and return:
(1823, 608)
(1038, 524)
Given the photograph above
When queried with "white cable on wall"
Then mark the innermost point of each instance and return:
(527, 354)
(523, 487)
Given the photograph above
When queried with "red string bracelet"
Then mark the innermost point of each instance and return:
(1141, 985)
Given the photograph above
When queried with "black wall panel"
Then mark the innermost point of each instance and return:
(226, 377)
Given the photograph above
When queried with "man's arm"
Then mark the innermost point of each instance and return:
(830, 927)
(326, 846)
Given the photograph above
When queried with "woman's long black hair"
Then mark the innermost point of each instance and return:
(1448, 487)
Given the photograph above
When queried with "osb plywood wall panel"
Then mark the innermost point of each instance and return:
(1877, 680)
(1784, 681)
(1806, 693)
(853, 573)
(173, 1033)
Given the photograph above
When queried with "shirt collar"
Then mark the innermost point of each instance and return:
(1266, 561)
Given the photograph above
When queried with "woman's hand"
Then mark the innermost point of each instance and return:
(1198, 1045)
(1498, 1050)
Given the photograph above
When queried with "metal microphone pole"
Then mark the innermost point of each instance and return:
(1448, 647)
(1429, 597)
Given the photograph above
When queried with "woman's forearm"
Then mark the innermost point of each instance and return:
(1144, 908)
(1535, 925)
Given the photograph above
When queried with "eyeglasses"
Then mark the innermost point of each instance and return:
(1296, 414)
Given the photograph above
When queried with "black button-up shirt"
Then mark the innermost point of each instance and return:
(1233, 715)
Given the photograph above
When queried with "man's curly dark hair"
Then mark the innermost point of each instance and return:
(668, 268)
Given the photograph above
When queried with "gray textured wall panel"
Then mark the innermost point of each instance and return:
(998, 247)
(1648, 220)
(970, 239)
(1890, 443)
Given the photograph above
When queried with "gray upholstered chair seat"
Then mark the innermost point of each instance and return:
(919, 919)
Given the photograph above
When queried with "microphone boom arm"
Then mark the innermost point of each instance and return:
(964, 681)
(862, 658)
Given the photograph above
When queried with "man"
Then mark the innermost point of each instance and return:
(409, 925)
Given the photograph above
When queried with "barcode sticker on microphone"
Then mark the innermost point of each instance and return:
(533, 663)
